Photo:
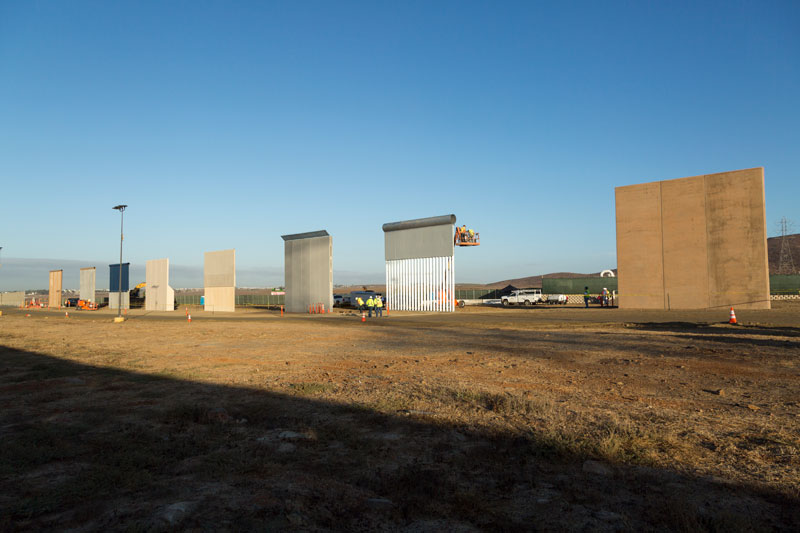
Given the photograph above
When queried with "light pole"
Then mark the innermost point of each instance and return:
(121, 209)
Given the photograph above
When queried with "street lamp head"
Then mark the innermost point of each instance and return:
(120, 207)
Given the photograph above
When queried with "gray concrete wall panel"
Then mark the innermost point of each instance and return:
(308, 268)
(88, 284)
(159, 296)
(113, 298)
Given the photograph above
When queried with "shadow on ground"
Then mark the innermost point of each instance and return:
(98, 449)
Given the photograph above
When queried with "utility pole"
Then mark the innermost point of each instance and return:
(121, 209)
(786, 262)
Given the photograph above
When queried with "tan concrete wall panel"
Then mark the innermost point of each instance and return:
(220, 299)
(56, 277)
(737, 235)
(12, 299)
(704, 236)
(219, 275)
(684, 241)
(639, 249)
(220, 269)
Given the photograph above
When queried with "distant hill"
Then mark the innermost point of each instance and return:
(774, 252)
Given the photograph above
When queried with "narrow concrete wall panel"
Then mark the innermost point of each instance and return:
(308, 267)
(219, 275)
(639, 246)
(159, 296)
(54, 299)
(685, 248)
(88, 284)
(737, 234)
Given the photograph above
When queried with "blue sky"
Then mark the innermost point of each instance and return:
(226, 124)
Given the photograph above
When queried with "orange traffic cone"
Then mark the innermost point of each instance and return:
(188, 318)
(363, 317)
(66, 314)
(733, 317)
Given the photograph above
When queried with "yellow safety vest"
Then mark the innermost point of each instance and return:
(378, 302)
(370, 302)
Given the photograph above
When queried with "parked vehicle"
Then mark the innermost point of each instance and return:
(522, 297)
(338, 300)
(71, 302)
(560, 299)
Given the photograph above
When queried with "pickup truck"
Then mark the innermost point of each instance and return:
(522, 297)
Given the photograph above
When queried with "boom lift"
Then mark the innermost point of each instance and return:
(466, 237)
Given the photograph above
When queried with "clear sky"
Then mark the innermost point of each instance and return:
(227, 124)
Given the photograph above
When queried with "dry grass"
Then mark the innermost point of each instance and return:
(400, 424)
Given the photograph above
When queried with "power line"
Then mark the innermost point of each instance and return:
(786, 262)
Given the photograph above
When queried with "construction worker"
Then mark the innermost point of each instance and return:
(370, 306)
(471, 235)
(457, 238)
(360, 303)
(586, 297)
(604, 295)
(378, 306)
(464, 233)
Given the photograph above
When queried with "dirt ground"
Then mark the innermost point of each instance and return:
(484, 419)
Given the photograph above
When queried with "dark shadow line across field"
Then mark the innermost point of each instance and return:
(105, 448)
(531, 343)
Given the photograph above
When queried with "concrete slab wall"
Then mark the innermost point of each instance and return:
(694, 243)
(737, 233)
(219, 276)
(88, 284)
(12, 299)
(56, 277)
(113, 298)
(639, 249)
(158, 295)
(308, 270)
